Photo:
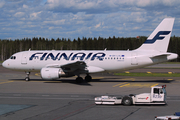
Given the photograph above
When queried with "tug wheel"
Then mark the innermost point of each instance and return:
(127, 101)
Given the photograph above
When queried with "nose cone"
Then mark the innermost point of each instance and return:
(4, 64)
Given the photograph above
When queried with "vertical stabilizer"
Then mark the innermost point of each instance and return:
(159, 38)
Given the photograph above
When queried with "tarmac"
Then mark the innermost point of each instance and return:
(65, 100)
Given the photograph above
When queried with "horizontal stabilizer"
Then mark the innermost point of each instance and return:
(160, 55)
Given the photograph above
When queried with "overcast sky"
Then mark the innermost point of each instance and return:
(84, 18)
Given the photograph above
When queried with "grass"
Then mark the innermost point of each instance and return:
(1, 61)
(149, 74)
(170, 63)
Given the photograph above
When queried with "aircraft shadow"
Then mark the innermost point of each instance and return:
(115, 80)
(72, 81)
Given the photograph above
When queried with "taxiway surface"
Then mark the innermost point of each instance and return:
(64, 99)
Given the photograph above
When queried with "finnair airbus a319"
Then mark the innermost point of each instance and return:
(54, 64)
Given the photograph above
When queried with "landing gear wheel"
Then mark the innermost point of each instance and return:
(127, 101)
(27, 76)
(79, 80)
(88, 78)
(27, 79)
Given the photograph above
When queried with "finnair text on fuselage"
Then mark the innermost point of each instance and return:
(71, 56)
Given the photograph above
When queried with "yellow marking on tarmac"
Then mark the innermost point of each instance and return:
(169, 79)
(38, 74)
(149, 72)
(127, 72)
(120, 84)
(132, 79)
(6, 82)
(154, 85)
(97, 77)
(125, 85)
(169, 72)
(142, 85)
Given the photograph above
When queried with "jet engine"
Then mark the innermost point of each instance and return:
(51, 73)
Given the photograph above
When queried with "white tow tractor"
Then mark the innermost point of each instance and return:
(176, 116)
(157, 96)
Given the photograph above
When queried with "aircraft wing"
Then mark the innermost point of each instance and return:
(70, 67)
(77, 67)
(78, 64)
(82, 67)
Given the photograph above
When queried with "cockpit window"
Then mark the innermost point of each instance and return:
(13, 57)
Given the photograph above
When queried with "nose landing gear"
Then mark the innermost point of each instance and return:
(27, 76)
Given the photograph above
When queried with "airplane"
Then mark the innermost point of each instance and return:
(54, 64)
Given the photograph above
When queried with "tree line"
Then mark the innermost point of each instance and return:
(9, 47)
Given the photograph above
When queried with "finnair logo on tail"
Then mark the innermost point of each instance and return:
(157, 37)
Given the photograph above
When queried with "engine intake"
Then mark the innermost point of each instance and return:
(51, 73)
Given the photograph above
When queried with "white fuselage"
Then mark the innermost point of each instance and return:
(106, 60)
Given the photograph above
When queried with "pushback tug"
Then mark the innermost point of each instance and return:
(157, 96)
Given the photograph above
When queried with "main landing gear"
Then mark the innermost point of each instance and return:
(27, 76)
(79, 79)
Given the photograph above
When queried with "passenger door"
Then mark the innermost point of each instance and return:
(24, 58)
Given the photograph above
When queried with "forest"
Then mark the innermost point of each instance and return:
(9, 47)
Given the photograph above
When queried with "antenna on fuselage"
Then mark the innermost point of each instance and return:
(29, 49)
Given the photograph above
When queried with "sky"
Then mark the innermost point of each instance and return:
(84, 18)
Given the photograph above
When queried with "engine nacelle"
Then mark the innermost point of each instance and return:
(51, 73)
